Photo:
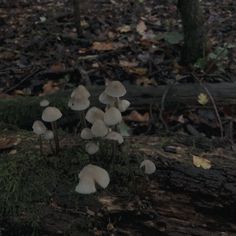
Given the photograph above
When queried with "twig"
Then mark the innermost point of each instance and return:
(214, 105)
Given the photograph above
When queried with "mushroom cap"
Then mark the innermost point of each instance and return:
(91, 148)
(99, 129)
(51, 114)
(123, 105)
(106, 99)
(115, 89)
(115, 136)
(80, 93)
(149, 167)
(38, 127)
(94, 114)
(44, 103)
(78, 104)
(48, 135)
(112, 116)
(86, 133)
(98, 174)
(86, 186)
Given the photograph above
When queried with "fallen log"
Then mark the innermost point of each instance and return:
(22, 111)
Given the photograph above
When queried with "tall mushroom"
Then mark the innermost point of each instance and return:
(51, 115)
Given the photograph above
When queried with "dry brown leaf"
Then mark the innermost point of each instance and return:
(144, 81)
(137, 70)
(125, 63)
(6, 143)
(201, 162)
(57, 68)
(141, 27)
(137, 117)
(106, 46)
(49, 88)
(124, 29)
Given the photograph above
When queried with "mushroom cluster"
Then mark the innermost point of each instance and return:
(50, 114)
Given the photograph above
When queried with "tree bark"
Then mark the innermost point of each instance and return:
(194, 30)
(77, 18)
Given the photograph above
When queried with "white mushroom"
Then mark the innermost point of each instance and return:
(112, 116)
(90, 175)
(48, 135)
(123, 105)
(149, 167)
(94, 114)
(38, 127)
(99, 129)
(115, 89)
(91, 148)
(44, 103)
(106, 99)
(52, 114)
(115, 136)
(80, 93)
(78, 104)
(86, 133)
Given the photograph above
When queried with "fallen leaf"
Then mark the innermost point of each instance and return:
(137, 117)
(141, 27)
(144, 81)
(125, 63)
(49, 88)
(106, 46)
(201, 162)
(202, 99)
(6, 143)
(124, 29)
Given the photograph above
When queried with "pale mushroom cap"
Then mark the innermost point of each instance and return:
(106, 99)
(115, 89)
(44, 103)
(149, 167)
(123, 105)
(98, 174)
(48, 135)
(91, 148)
(80, 93)
(51, 114)
(86, 185)
(115, 136)
(99, 129)
(86, 133)
(94, 114)
(38, 127)
(112, 116)
(78, 104)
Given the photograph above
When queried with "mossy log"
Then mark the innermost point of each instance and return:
(22, 111)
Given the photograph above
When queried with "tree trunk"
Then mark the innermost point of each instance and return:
(194, 30)
(76, 5)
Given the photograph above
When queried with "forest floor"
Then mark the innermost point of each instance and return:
(193, 191)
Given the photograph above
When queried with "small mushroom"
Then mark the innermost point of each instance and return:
(149, 167)
(44, 103)
(52, 114)
(80, 93)
(123, 105)
(115, 89)
(94, 114)
(115, 136)
(49, 136)
(86, 133)
(106, 99)
(91, 148)
(112, 116)
(99, 129)
(39, 128)
(89, 176)
(78, 104)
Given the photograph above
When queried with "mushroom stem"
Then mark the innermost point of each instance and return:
(40, 145)
(51, 146)
(56, 139)
(83, 119)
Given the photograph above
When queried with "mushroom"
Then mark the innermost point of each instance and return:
(115, 89)
(99, 129)
(89, 176)
(49, 136)
(91, 148)
(80, 93)
(86, 133)
(115, 136)
(44, 103)
(149, 167)
(123, 105)
(39, 128)
(112, 116)
(94, 114)
(52, 114)
(106, 99)
(78, 104)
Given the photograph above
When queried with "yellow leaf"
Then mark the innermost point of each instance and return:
(201, 162)
(124, 29)
(202, 99)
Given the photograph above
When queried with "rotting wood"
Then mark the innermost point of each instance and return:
(22, 111)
